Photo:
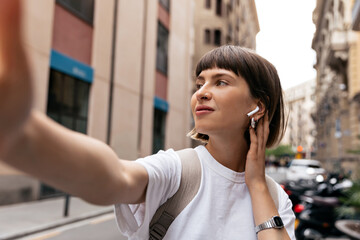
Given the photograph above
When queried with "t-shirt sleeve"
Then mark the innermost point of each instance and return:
(164, 170)
(286, 213)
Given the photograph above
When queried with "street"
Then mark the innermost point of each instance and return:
(103, 227)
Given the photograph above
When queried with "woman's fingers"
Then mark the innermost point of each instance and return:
(253, 142)
(9, 33)
(260, 133)
(258, 137)
(15, 81)
(266, 127)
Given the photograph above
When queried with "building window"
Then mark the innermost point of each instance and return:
(237, 41)
(159, 130)
(68, 99)
(208, 4)
(207, 36)
(165, 4)
(341, 9)
(237, 24)
(162, 49)
(219, 7)
(230, 34)
(217, 37)
(228, 9)
(83, 9)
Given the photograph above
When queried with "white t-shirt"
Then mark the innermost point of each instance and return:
(220, 210)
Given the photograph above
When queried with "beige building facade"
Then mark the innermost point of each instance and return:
(300, 104)
(119, 71)
(219, 22)
(337, 85)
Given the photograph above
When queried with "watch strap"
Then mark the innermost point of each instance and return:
(274, 222)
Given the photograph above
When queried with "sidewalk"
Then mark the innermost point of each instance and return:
(19, 220)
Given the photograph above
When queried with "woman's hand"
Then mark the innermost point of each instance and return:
(262, 204)
(255, 160)
(15, 84)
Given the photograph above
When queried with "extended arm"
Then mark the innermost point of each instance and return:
(36, 145)
(75, 163)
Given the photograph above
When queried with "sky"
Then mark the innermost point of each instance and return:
(286, 32)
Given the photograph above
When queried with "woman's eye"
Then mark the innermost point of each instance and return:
(198, 86)
(221, 83)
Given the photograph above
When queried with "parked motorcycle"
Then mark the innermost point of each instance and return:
(296, 189)
(318, 216)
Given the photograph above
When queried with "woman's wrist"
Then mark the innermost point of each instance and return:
(262, 203)
(257, 185)
(14, 140)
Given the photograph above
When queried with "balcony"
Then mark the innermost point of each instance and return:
(356, 16)
(339, 40)
(338, 52)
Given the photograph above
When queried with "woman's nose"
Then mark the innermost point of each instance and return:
(203, 94)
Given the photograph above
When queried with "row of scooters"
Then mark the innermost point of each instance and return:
(315, 204)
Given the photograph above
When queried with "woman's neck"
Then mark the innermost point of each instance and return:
(229, 152)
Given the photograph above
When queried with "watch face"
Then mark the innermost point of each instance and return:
(278, 221)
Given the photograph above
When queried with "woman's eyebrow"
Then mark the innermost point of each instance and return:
(218, 75)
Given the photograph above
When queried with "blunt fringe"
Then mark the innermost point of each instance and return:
(262, 79)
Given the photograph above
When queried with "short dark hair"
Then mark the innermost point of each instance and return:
(262, 79)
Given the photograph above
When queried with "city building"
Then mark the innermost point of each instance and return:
(337, 115)
(219, 22)
(119, 71)
(299, 105)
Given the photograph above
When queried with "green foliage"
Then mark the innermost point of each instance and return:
(280, 151)
(355, 151)
(351, 202)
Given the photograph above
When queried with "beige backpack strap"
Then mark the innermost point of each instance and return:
(189, 186)
(273, 189)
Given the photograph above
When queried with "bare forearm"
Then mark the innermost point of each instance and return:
(263, 209)
(65, 159)
(31, 142)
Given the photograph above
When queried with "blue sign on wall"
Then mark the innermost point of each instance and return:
(161, 104)
(71, 67)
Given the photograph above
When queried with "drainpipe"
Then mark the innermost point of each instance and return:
(142, 78)
(113, 49)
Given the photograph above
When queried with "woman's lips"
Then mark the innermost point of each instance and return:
(200, 110)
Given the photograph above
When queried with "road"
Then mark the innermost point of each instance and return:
(103, 227)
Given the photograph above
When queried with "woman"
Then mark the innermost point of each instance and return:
(233, 199)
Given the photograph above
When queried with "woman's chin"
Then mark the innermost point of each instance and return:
(205, 131)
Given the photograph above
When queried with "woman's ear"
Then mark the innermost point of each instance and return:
(261, 112)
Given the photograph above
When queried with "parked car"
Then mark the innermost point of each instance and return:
(305, 169)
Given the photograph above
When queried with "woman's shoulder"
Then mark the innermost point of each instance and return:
(162, 159)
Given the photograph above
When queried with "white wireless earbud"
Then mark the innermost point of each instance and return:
(253, 111)
(253, 123)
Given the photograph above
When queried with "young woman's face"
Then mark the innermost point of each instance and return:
(221, 102)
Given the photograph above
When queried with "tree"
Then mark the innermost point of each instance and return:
(355, 151)
(350, 202)
(280, 151)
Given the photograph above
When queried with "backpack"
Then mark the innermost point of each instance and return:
(189, 186)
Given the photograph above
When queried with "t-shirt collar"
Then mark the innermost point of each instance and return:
(211, 162)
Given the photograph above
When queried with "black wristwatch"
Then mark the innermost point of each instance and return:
(274, 222)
